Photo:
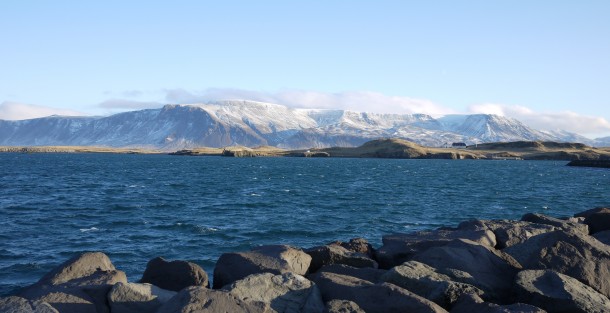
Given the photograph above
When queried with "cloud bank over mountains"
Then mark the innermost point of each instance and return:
(361, 101)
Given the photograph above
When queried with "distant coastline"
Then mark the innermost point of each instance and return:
(380, 148)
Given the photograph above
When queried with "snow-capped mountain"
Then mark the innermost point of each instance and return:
(249, 123)
(602, 142)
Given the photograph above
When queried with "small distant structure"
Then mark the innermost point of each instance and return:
(458, 145)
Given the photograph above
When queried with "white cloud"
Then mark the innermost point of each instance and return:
(21, 111)
(564, 120)
(363, 101)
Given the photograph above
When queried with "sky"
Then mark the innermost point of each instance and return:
(546, 63)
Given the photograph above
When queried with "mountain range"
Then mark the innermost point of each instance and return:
(249, 123)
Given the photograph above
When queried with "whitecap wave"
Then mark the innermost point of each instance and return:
(84, 230)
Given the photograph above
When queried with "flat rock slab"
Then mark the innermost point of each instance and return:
(399, 248)
(276, 259)
(14, 304)
(174, 275)
(134, 297)
(567, 252)
(424, 281)
(372, 298)
(288, 292)
(200, 299)
(556, 292)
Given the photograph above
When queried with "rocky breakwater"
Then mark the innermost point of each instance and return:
(536, 264)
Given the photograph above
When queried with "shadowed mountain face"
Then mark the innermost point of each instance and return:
(249, 123)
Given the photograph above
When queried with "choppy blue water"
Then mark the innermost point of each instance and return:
(136, 207)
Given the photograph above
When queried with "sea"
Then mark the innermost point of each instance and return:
(137, 207)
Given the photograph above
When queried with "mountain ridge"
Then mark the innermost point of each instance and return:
(251, 123)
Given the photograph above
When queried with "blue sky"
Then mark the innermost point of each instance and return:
(544, 62)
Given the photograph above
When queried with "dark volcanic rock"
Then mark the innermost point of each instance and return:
(598, 219)
(142, 298)
(469, 262)
(426, 282)
(547, 220)
(603, 237)
(570, 253)
(174, 275)
(588, 213)
(470, 303)
(372, 275)
(383, 297)
(508, 232)
(15, 304)
(277, 259)
(342, 306)
(78, 285)
(399, 248)
(287, 292)
(598, 222)
(201, 299)
(556, 292)
(336, 254)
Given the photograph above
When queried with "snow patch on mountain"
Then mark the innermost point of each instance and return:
(251, 123)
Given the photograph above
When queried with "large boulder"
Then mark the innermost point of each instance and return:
(570, 253)
(471, 303)
(563, 224)
(399, 248)
(336, 254)
(201, 299)
(78, 267)
(342, 306)
(14, 304)
(276, 259)
(426, 282)
(556, 292)
(288, 292)
(174, 275)
(469, 262)
(359, 245)
(508, 232)
(370, 274)
(133, 297)
(78, 285)
(371, 298)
